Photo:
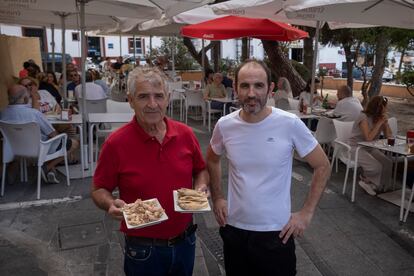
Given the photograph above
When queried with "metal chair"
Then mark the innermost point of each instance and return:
(16, 144)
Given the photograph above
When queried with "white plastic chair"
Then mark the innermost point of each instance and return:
(93, 106)
(325, 132)
(194, 99)
(342, 151)
(293, 104)
(111, 107)
(176, 90)
(210, 111)
(410, 201)
(23, 140)
(392, 122)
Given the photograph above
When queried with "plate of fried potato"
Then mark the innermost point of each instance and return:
(190, 201)
(143, 213)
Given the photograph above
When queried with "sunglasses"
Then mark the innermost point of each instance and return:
(27, 85)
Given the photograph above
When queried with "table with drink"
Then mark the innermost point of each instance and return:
(394, 145)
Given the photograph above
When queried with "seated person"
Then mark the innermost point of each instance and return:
(41, 100)
(117, 65)
(227, 82)
(99, 81)
(93, 91)
(19, 111)
(305, 99)
(283, 93)
(347, 107)
(216, 90)
(377, 168)
(44, 84)
(305, 96)
(73, 80)
(208, 76)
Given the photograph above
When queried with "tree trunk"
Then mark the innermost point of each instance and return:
(198, 56)
(349, 66)
(381, 50)
(216, 55)
(398, 79)
(308, 48)
(245, 49)
(282, 67)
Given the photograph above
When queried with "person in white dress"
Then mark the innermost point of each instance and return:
(283, 93)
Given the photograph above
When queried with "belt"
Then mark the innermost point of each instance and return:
(162, 242)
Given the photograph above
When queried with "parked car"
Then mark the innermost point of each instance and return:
(388, 75)
(47, 61)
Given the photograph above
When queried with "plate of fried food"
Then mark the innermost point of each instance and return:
(143, 213)
(190, 201)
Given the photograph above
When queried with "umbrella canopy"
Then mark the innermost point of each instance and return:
(271, 9)
(230, 27)
(391, 13)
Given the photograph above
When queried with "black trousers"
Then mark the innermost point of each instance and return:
(257, 253)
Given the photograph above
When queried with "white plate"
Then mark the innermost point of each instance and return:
(53, 117)
(177, 208)
(161, 219)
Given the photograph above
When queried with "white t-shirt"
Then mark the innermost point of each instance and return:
(260, 166)
(93, 91)
(47, 101)
(306, 99)
(348, 108)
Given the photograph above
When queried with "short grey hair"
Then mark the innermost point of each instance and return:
(346, 90)
(16, 93)
(150, 74)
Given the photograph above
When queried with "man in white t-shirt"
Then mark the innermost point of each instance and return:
(257, 226)
(348, 107)
(93, 91)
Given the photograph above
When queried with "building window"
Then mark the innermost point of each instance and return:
(137, 46)
(75, 37)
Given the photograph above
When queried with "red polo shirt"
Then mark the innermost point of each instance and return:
(143, 168)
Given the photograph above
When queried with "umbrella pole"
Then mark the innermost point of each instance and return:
(83, 74)
(315, 54)
(120, 45)
(203, 54)
(135, 50)
(52, 29)
(62, 20)
(173, 57)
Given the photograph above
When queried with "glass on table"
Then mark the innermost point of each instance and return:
(410, 141)
(391, 141)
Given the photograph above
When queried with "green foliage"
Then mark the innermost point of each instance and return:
(302, 70)
(183, 59)
(228, 65)
(408, 80)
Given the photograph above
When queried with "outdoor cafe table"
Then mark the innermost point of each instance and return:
(303, 115)
(76, 120)
(97, 118)
(399, 148)
(225, 101)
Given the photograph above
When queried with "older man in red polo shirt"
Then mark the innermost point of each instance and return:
(149, 158)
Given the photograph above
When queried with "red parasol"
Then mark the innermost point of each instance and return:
(231, 26)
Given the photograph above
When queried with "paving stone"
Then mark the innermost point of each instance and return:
(80, 235)
(379, 247)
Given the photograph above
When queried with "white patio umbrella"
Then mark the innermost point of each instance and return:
(391, 13)
(271, 9)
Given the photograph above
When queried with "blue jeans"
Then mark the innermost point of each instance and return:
(152, 260)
